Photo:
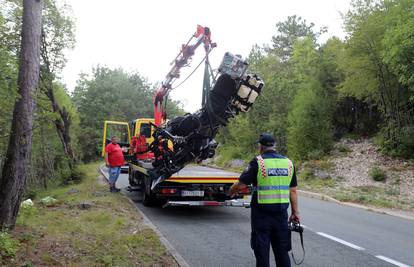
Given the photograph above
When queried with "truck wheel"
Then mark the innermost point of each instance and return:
(133, 178)
(148, 199)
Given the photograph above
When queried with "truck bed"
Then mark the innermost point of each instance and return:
(202, 174)
(194, 185)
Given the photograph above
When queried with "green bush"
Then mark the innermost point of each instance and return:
(77, 174)
(340, 178)
(28, 264)
(396, 143)
(406, 146)
(30, 193)
(73, 176)
(306, 174)
(393, 190)
(377, 174)
(8, 246)
(26, 213)
(343, 148)
(316, 154)
(310, 128)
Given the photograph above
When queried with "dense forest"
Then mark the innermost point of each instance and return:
(316, 92)
(67, 126)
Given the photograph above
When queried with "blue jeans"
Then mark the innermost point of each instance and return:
(114, 174)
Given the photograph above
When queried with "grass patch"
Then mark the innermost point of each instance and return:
(400, 168)
(227, 154)
(381, 197)
(340, 178)
(110, 233)
(315, 173)
(377, 174)
(393, 190)
(352, 136)
(306, 174)
(344, 149)
(307, 180)
(8, 246)
(373, 197)
(322, 183)
(316, 154)
(320, 164)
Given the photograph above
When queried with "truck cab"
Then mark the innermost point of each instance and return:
(141, 130)
(143, 127)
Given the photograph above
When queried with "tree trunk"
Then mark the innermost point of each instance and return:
(16, 166)
(64, 121)
(46, 164)
(62, 124)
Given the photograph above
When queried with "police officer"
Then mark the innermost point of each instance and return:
(274, 179)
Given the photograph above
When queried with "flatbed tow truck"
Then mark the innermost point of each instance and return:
(162, 155)
(194, 185)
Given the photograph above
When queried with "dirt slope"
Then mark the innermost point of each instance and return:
(355, 165)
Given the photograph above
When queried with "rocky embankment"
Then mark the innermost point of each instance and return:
(353, 168)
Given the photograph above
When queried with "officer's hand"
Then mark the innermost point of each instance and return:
(234, 189)
(294, 217)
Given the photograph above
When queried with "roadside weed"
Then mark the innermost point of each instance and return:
(377, 174)
(8, 246)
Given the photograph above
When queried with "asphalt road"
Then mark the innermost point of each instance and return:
(335, 235)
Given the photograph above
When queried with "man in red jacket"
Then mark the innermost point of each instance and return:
(114, 160)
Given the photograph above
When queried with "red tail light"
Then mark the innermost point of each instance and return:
(168, 191)
(211, 203)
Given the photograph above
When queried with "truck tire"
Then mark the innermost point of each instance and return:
(134, 178)
(148, 199)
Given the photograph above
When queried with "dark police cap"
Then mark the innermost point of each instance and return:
(266, 139)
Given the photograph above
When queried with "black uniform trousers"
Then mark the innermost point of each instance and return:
(270, 228)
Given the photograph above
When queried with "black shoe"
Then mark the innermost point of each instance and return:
(114, 190)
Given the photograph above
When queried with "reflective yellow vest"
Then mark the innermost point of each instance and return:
(273, 180)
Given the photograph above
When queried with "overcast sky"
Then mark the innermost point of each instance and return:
(145, 36)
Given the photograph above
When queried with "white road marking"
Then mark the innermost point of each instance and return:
(340, 241)
(308, 228)
(392, 261)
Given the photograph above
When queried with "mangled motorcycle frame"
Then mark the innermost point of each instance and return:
(190, 138)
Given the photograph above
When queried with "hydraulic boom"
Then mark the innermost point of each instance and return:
(202, 36)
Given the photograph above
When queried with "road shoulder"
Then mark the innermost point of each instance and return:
(392, 212)
(82, 224)
(170, 248)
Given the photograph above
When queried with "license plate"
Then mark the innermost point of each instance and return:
(192, 193)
